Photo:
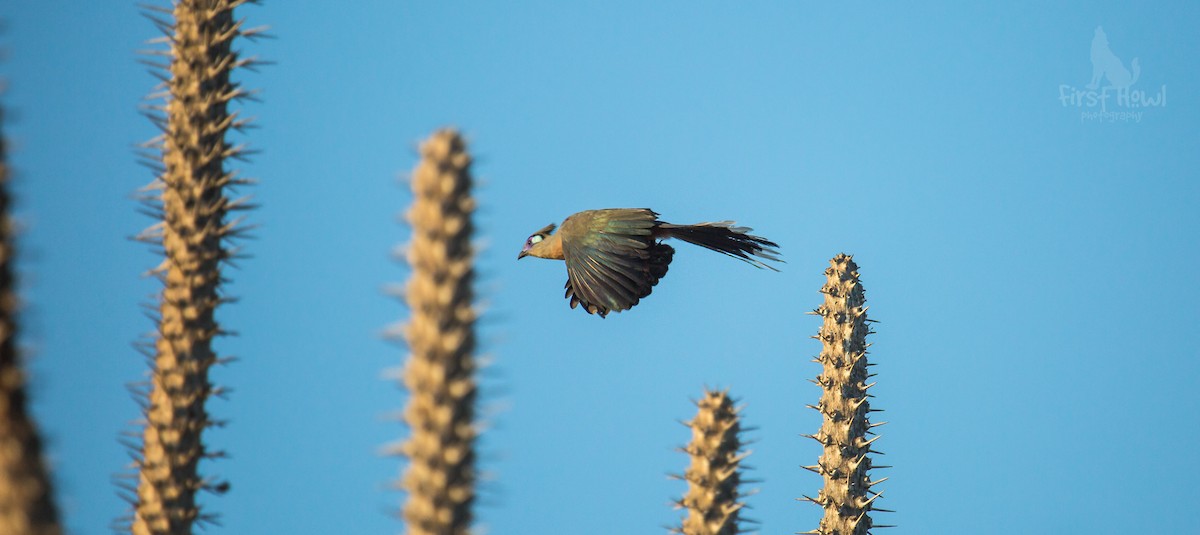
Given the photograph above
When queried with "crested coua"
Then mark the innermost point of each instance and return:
(615, 256)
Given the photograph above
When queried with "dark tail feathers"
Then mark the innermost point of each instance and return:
(723, 237)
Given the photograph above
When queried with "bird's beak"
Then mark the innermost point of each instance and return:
(522, 254)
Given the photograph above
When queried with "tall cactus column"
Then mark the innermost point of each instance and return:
(712, 499)
(26, 502)
(190, 195)
(440, 372)
(847, 498)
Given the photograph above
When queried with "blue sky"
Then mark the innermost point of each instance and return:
(1031, 268)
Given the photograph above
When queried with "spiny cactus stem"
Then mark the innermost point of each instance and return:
(190, 197)
(845, 463)
(26, 499)
(714, 475)
(440, 371)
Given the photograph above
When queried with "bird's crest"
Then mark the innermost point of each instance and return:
(537, 237)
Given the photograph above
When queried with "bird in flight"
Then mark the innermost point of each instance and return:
(615, 256)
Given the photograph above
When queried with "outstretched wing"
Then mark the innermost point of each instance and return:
(612, 258)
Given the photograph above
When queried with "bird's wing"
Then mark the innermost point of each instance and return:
(608, 255)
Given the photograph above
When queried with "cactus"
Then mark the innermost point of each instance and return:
(440, 372)
(715, 471)
(190, 196)
(26, 501)
(848, 496)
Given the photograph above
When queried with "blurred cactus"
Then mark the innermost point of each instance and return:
(190, 196)
(848, 496)
(715, 472)
(26, 501)
(440, 371)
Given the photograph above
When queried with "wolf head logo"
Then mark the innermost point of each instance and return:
(1105, 64)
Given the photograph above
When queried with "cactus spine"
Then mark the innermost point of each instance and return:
(190, 196)
(26, 502)
(714, 474)
(440, 371)
(847, 497)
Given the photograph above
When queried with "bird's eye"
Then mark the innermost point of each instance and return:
(535, 238)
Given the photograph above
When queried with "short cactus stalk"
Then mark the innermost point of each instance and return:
(848, 496)
(440, 334)
(714, 476)
(26, 501)
(190, 196)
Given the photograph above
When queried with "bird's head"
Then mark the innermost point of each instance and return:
(536, 241)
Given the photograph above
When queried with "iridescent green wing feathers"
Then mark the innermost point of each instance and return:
(612, 258)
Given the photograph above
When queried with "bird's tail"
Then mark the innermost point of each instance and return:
(723, 237)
